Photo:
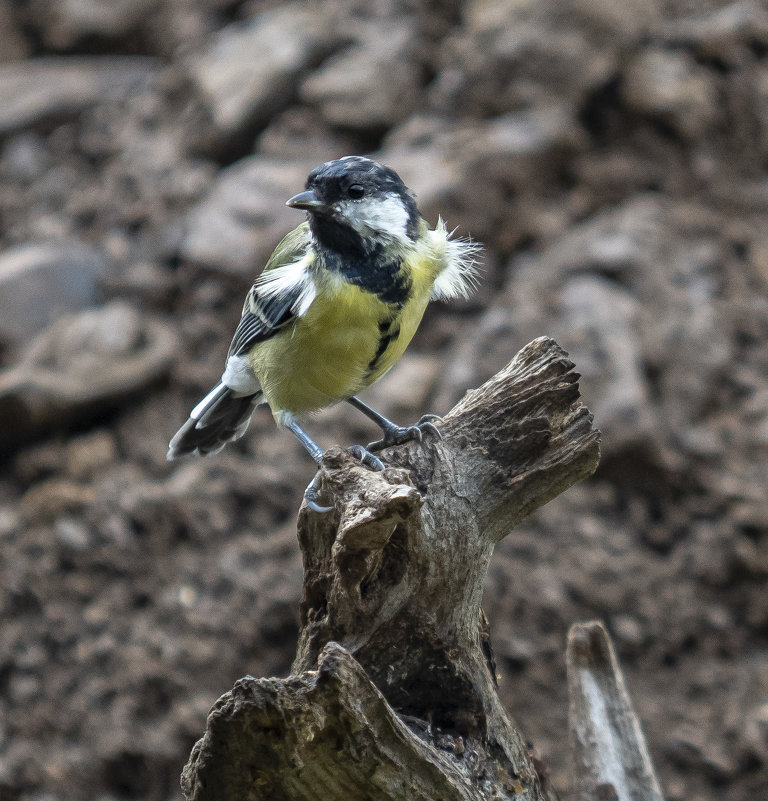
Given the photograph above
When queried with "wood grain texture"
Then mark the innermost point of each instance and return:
(391, 685)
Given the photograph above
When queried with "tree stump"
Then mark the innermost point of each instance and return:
(393, 689)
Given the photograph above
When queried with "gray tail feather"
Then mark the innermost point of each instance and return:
(218, 419)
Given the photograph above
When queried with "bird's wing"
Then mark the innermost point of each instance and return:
(282, 292)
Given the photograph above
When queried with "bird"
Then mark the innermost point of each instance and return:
(335, 307)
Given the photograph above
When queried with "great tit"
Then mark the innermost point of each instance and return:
(333, 310)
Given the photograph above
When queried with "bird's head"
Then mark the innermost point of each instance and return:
(357, 204)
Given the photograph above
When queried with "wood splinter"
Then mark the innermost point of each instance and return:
(610, 757)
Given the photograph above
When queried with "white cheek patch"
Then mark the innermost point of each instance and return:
(385, 216)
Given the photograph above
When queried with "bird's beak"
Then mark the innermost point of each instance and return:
(307, 201)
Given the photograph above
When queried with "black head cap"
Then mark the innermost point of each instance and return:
(341, 197)
(333, 179)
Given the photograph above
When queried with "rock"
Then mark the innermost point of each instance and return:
(679, 333)
(517, 55)
(42, 89)
(39, 282)
(601, 320)
(425, 153)
(25, 156)
(673, 87)
(721, 32)
(301, 133)
(55, 498)
(68, 22)
(628, 630)
(251, 70)
(236, 227)
(755, 732)
(71, 533)
(650, 343)
(404, 393)
(348, 88)
(90, 453)
(482, 176)
(13, 45)
(82, 364)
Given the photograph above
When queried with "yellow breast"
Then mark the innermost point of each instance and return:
(347, 339)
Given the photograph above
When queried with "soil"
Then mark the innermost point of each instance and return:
(613, 162)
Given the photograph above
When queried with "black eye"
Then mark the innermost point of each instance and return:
(356, 191)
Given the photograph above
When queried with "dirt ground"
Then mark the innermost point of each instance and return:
(613, 160)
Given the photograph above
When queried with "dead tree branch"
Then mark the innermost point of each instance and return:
(391, 695)
(610, 758)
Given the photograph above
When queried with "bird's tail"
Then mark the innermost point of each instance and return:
(220, 417)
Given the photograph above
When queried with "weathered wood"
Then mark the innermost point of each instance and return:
(391, 684)
(610, 757)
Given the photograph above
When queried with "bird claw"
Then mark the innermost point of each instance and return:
(400, 434)
(312, 492)
(366, 457)
(312, 496)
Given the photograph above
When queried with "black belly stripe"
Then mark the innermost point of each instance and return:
(389, 332)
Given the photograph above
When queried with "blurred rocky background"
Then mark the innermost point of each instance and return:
(612, 157)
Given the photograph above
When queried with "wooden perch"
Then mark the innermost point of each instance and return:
(393, 691)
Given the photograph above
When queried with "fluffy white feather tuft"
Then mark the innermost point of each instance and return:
(459, 277)
(280, 280)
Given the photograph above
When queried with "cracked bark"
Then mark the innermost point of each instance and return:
(392, 693)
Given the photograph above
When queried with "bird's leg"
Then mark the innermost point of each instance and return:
(313, 449)
(393, 433)
(312, 492)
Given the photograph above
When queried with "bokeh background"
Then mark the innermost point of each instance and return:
(612, 159)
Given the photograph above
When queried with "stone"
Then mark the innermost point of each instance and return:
(235, 228)
(42, 89)
(423, 151)
(514, 55)
(404, 393)
(480, 176)
(672, 86)
(39, 282)
(755, 732)
(348, 90)
(81, 365)
(510, 147)
(601, 319)
(89, 454)
(71, 533)
(25, 156)
(68, 22)
(301, 133)
(13, 45)
(651, 344)
(251, 70)
(723, 32)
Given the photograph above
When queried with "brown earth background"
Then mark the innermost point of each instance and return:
(612, 159)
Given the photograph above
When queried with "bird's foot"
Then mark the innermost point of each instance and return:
(313, 491)
(397, 435)
(312, 496)
(366, 457)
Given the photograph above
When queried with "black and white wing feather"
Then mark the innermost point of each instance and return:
(282, 292)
